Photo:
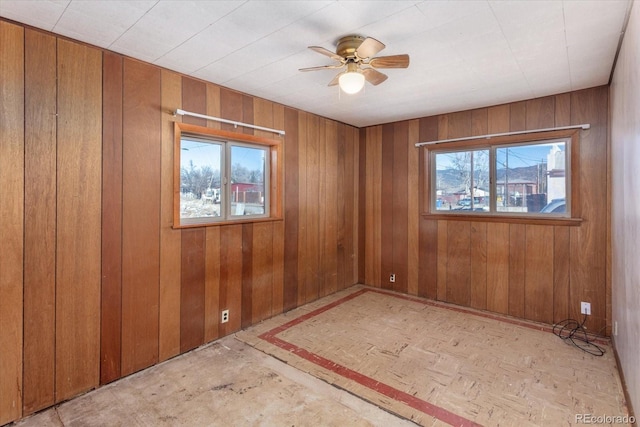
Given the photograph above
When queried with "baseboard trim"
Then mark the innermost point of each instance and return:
(622, 380)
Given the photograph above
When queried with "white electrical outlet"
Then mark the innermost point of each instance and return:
(225, 316)
(392, 278)
(615, 329)
(585, 308)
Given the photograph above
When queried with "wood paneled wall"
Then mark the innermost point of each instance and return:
(86, 169)
(12, 150)
(96, 284)
(534, 272)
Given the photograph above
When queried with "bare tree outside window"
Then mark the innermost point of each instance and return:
(528, 177)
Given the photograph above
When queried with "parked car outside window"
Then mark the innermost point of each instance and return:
(555, 206)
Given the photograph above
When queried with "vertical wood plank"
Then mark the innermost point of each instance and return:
(247, 113)
(373, 219)
(291, 195)
(111, 298)
(413, 210)
(517, 260)
(517, 116)
(478, 299)
(538, 279)
(302, 208)
(478, 265)
(192, 288)
(362, 160)
(429, 259)
(194, 98)
(589, 241)
(170, 239)
(312, 237)
(443, 260)
(309, 267)
(355, 216)
(278, 232)
(79, 188)
(193, 241)
(459, 262)
(213, 105)
(262, 268)
(458, 277)
(459, 124)
(322, 208)
(331, 202)
(386, 210)
(479, 122)
(269, 297)
(331, 207)
(540, 113)
(230, 108)
(39, 220)
(247, 275)
(399, 198)
(563, 109)
(443, 126)
(428, 228)
(212, 284)
(498, 267)
(12, 214)
(231, 277)
(341, 204)
(561, 265)
(498, 118)
(141, 216)
(377, 197)
(277, 306)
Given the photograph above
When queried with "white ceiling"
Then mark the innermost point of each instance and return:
(464, 54)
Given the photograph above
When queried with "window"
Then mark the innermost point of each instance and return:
(224, 177)
(523, 178)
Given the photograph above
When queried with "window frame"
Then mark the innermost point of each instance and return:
(273, 170)
(572, 137)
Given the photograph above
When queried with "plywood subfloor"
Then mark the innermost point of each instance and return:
(433, 363)
(349, 355)
(227, 383)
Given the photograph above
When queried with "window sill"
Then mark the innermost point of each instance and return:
(510, 219)
(228, 222)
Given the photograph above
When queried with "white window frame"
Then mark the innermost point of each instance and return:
(273, 175)
(569, 138)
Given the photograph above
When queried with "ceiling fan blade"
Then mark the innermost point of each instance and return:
(393, 61)
(374, 77)
(335, 80)
(322, 67)
(369, 48)
(327, 52)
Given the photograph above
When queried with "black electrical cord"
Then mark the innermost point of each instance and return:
(572, 332)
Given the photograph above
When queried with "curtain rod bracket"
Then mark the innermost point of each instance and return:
(231, 122)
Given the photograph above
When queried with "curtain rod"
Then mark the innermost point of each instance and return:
(468, 138)
(231, 122)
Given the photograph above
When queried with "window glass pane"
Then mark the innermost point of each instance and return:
(200, 185)
(531, 178)
(248, 180)
(462, 181)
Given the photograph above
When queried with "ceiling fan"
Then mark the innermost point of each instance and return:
(357, 54)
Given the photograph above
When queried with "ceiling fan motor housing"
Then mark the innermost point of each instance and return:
(348, 45)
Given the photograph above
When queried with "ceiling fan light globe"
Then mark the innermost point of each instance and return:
(351, 82)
